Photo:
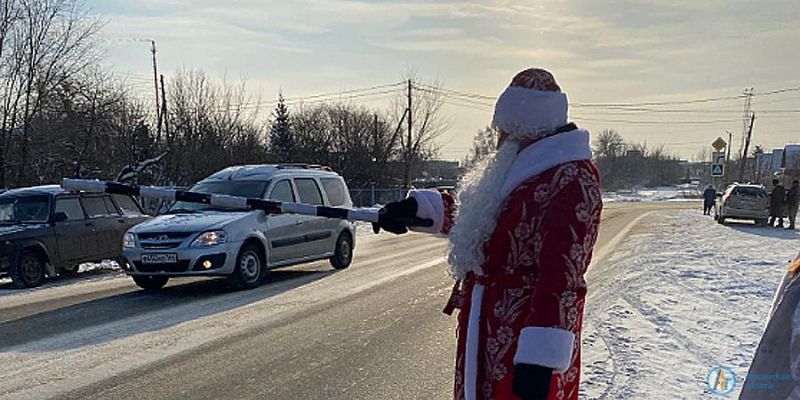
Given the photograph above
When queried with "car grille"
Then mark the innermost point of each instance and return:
(180, 266)
(162, 240)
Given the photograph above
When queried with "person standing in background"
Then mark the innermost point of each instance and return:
(709, 195)
(793, 202)
(776, 204)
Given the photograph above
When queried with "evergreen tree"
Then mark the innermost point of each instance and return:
(282, 143)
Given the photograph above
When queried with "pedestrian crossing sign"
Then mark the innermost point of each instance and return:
(717, 170)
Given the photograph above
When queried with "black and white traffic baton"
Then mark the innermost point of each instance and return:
(237, 202)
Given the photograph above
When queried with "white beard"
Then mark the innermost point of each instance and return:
(480, 199)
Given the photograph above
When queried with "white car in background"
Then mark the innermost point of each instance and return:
(740, 201)
(194, 239)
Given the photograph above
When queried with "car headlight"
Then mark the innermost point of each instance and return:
(128, 241)
(208, 239)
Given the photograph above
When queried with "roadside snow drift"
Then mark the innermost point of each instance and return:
(680, 296)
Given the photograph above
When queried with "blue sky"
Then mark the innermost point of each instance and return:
(600, 51)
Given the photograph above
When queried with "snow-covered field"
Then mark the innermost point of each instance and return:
(665, 193)
(680, 296)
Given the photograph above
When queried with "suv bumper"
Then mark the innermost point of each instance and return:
(730, 212)
(203, 261)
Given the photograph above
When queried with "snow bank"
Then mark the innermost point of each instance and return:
(665, 193)
(680, 296)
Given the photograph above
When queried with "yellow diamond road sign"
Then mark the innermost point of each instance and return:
(719, 144)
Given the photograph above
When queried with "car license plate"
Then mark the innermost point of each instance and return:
(169, 258)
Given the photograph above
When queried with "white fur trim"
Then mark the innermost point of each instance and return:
(429, 206)
(548, 347)
(523, 112)
(473, 339)
(547, 153)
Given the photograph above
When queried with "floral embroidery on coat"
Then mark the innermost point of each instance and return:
(535, 265)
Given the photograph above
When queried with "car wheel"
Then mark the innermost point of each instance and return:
(150, 282)
(249, 268)
(343, 255)
(29, 271)
(69, 270)
(761, 222)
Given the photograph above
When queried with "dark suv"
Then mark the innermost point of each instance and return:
(45, 230)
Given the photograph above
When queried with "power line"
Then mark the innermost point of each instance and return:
(477, 96)
(319, 98)
(633, 122)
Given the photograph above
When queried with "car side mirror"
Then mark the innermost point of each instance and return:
(60, 217)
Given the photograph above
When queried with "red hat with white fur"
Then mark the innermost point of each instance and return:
(532, 107)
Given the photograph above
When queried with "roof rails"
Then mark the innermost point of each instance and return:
(303, 166)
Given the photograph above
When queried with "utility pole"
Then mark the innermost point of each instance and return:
(746, 147)
(155, 85)
(730, 144)
(748, 95)
(164, 114)
(728, 156)
(408, 144)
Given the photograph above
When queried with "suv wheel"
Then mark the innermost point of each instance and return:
(69, 270)
(343, 255)
(249, 268)
(29, 271)
(150, 282)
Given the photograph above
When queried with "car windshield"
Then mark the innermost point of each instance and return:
(253, 189)
(28, 209)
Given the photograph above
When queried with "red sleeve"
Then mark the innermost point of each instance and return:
(450, 208)
(569, 223)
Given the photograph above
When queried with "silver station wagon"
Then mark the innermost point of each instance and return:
(194, 239)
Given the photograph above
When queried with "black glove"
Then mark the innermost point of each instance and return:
(394, 216)
(531, 382)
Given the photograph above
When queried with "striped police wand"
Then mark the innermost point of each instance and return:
(237, 202)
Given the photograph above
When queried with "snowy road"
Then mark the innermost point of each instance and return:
(372, 331)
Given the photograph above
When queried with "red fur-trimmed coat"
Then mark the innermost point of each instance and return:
(533, 277)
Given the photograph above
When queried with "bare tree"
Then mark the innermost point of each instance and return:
(42, 44)
(212, 126)
(483, 144)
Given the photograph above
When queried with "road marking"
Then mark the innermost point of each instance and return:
(611, 245)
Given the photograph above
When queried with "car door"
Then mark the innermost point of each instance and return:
(119, 225)
(284, 233)
(314, 228)
(336, 196)
(105, 224)
(76, 239)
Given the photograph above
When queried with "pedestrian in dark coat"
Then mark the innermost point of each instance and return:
(777, 203)
(793, 202)
(709, 195)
